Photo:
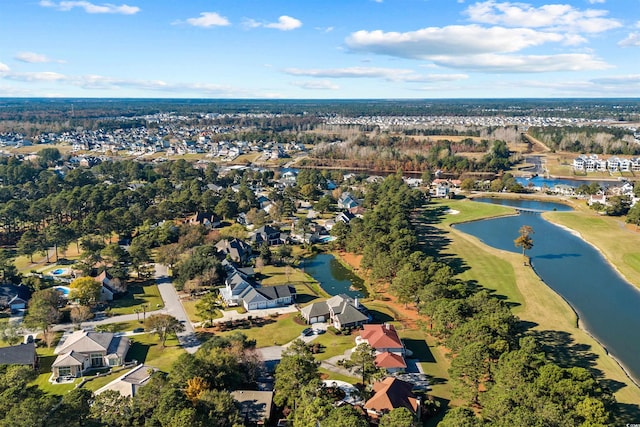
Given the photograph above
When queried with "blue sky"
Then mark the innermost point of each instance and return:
(319, 48)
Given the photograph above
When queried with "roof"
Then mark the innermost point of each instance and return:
(10, 291)
(389, 360)
(255, 406)
(22, 354)
(275, 292)
(392, 393)
(73, 358)
(88, 342)
(129, 383)
(381, 336)
(349, 314)
(316, 309)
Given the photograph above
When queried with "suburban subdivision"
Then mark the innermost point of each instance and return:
(177, 263)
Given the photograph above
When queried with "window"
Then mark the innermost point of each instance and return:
(114, 361)
(96, 360)
(64, 371)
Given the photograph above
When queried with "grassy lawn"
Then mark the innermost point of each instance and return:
(277, 333)
(533, 301)
(46, 359)
(307, 288)
(190, 308)
(99, 382)
(146, 349)
(335, 345)
(329, 375)
(120, 327)
(136, 296)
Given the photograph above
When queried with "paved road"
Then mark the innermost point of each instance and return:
(173, 306)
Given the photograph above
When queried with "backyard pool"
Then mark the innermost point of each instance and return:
(64, 290)
(59, 271)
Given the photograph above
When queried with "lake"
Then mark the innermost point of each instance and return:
(606, 303)
(334, 278)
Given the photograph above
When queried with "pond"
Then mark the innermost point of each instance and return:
(334, 278)
(527, 204)
(606, 303)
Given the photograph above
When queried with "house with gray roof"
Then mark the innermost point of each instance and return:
(341, 311)
(85, 350)
(129, 384)
(14, 297)
(237, 250)
(21, 354)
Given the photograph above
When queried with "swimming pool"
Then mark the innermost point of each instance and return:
(64, 290)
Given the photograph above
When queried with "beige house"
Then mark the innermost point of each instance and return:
(82, 351)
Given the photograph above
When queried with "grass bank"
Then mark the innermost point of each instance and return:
(545, 312)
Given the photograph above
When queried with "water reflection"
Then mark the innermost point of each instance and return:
(333, 277)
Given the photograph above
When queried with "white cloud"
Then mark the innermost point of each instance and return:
(284, 23)
(32, 58)
(389, 74)
(561, 17)
(98, 82)
(632, 40)
(633, 79)
(450, 40)
(522, 63)
(208, 19)
(44, 76)
(316, 84)
(597, 1)
(91, 7)
(445, 77)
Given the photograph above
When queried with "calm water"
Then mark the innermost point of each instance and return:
(333, 276)
(526, 204)
(606, 303)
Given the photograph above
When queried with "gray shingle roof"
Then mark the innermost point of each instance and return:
(22, 354)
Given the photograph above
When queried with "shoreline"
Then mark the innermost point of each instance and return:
(579, 323)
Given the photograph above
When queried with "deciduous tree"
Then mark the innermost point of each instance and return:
(163, 325)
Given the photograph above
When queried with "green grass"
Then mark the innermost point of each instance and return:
(46, 359)
(335, 345)
(277, 333)
(329, 375)
(146, 349)
(136, 296)
(120, 326)
(99, 382)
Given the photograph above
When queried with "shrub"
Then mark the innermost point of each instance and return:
(333, 330)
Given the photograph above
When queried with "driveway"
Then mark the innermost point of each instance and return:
(173, 307)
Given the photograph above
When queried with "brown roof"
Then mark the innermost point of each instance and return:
(390, 361)
(381, 336)
(392, 393)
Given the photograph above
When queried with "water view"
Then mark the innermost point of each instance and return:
(606, 303)
(333, 277)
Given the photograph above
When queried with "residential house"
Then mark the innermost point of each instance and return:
(237, 250)
(21, 354)
(14, 297)
(390, 351)
(392, 393)
(208, 220)
(345, 217)
(85, 350)
(347, 201)
(129, 384)
(239, 289)
(269, 235)
(111, 286)
(255, 406)
(383, 338)
(341, 311)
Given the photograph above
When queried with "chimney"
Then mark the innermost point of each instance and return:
(356, 304)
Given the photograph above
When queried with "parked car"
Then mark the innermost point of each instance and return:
(138, 330)
(306, 332)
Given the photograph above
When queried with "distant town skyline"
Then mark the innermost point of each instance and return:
(331, 49)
